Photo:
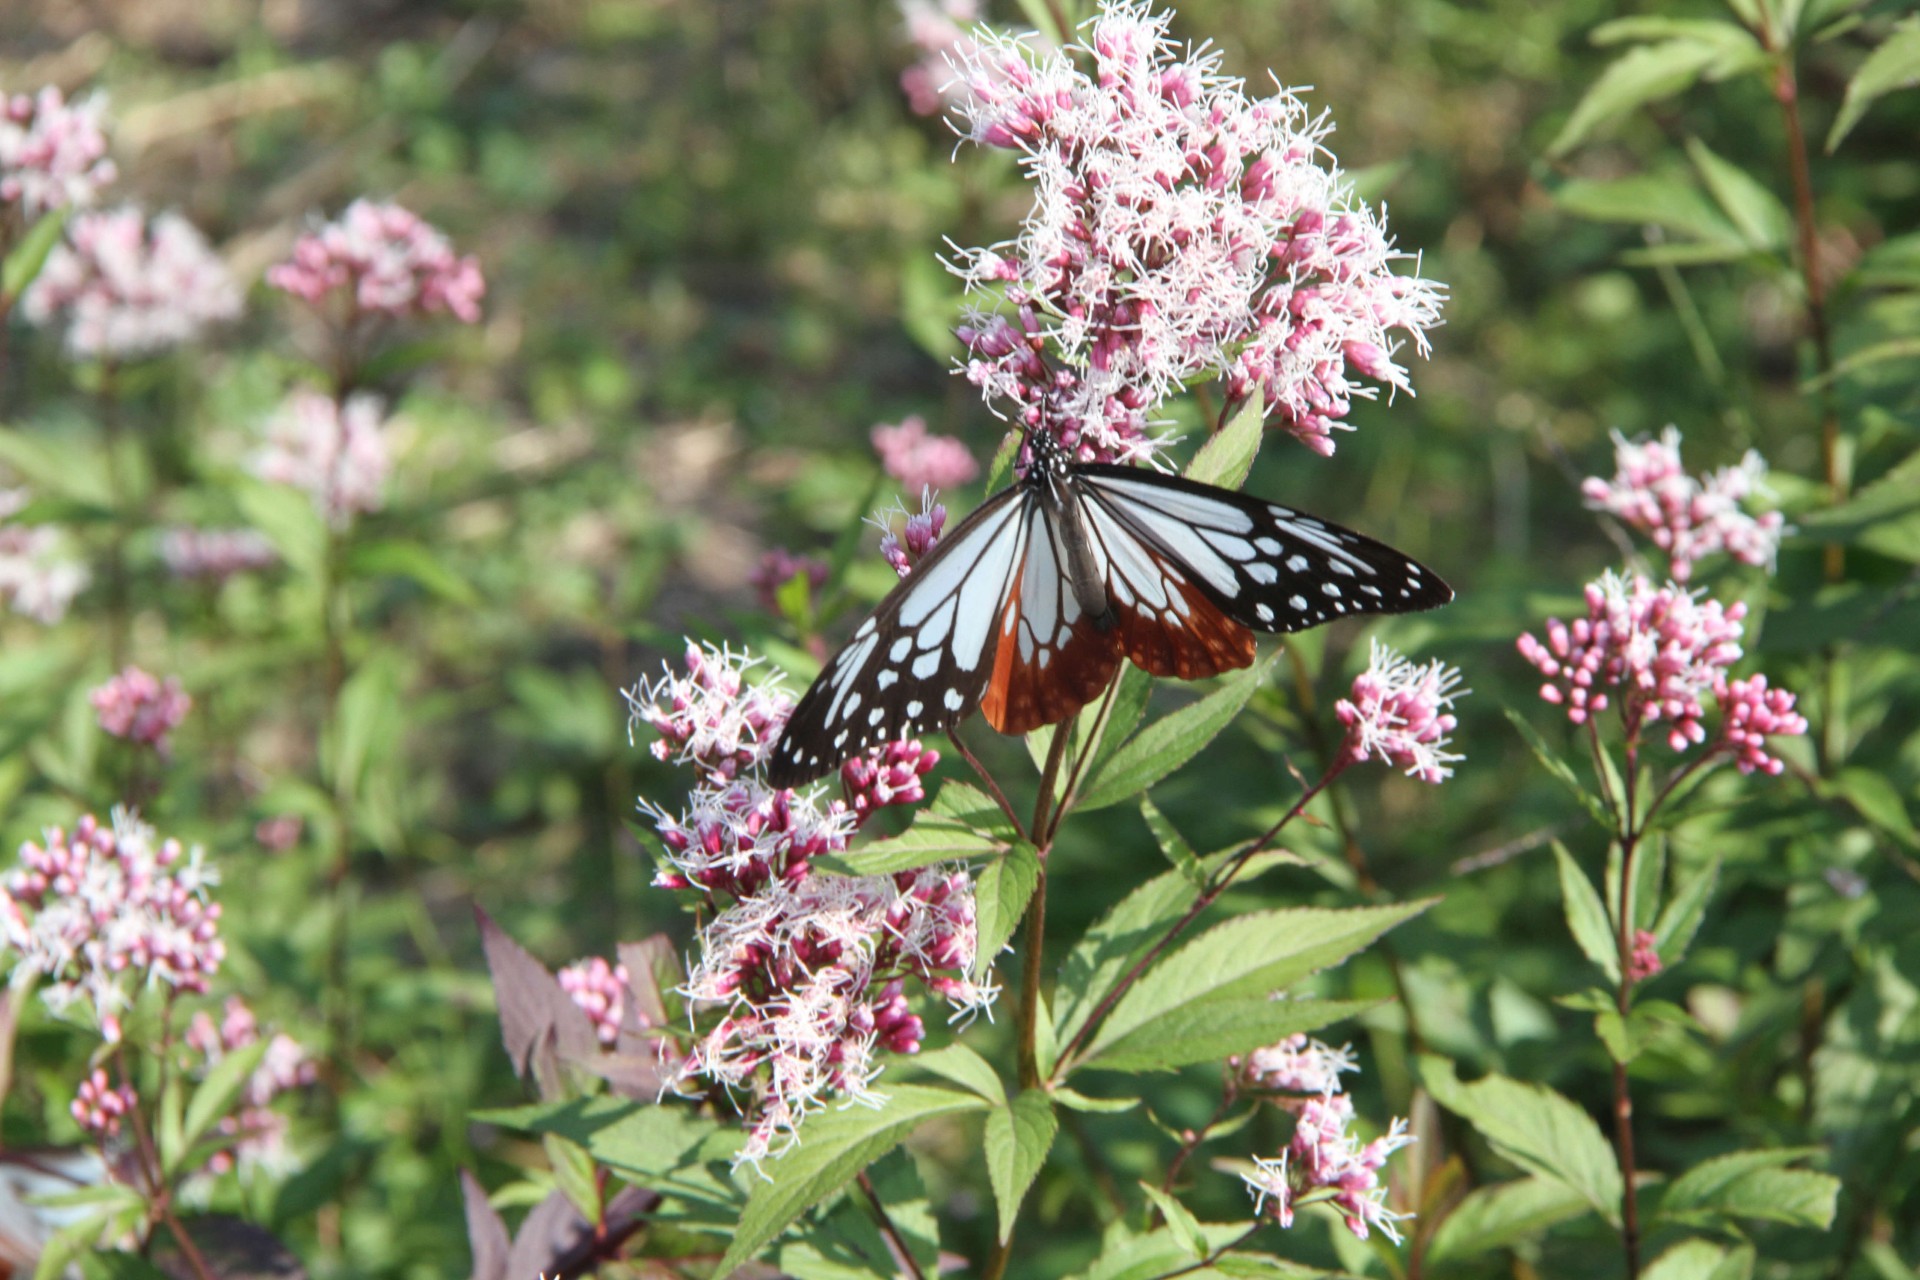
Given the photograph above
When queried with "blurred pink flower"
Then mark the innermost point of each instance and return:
(39, 574)
(138, 707)
(336, 454)
(920, 460)
(105, 913)
(600, 990)
(1644, 962)
(129, 287)
(1402, 713)
(257, 1135)
(1299, 1065)
(99, 1106)
(278, 833)
(1688, 518)
(780, 566)
(1179, 229)
(53, 154)
(217, 554)
(385, 260)
(920, 532)
(886, 775)
(938, 29)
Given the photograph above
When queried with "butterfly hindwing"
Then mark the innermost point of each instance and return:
(1265, 566)
(922, 659)
(1050, 659)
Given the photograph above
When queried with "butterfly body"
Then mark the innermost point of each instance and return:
(1027, 608)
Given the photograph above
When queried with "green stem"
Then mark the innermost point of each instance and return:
(1623, 1002)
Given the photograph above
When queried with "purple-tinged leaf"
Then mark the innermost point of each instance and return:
(486, 1231)
(540, 1024)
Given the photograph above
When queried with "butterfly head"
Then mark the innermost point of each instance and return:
(1047, 458)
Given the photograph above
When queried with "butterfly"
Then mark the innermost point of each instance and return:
(1028, 607)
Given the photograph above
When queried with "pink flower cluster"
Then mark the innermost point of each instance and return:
(1298, 1065)
(600, 990)
(1688, 518)
(384, 260)
(1662, 651)
(920, 532)
(129, 287)
(257, 1134)
(216, 554)
(138, 707)
(920, 460)
(99, 1106)
(938, 29)
(53, 154)
(780, 566)
(1179, 229)
(1644, 960)
(336, 454)
(888, 775)
(1402, 713)
(1323, 1161)
(39, 575)
(808, 970)
(104, 913)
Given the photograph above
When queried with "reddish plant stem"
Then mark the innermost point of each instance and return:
(1623, 1002)
(896, 1242)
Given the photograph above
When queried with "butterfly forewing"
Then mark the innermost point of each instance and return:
(922, 660)
(1267, 566)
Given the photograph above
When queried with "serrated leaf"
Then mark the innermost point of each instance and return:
(1755, 212)
(1648, 73)
(834, 1146)
(1251, 955)
(1003, 460)
(1018, 1137)
(1123, 717)
(1754, 1185)
(1214, 1029)
(1681, 920)
(1538, 1129)
(219, 1089)
(1110, 947)
(932, 838)
(965, 1068)
(573, 1174)
(1561, 770)
(964, 802)
(1494, 1217)
(1586, 915)
(540, 1025)
(1001, 893)
(1172, 843)
(667, 1149)
(1894, 65)
(1184, 1226)
(1172, 740)
(24, 263)
(1227, 456)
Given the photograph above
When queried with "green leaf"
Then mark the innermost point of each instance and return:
(1003, 460)
(1183, 1225)
(24, 263)
(1652, 200)
(1227, 456)
(965, 1068)
(368, 724)
(1116, 940)
(1762, 221)
(1587, 916)
(400, 558)
(1877, 800)
(1673, 934)
(667, 1149)
(932, 838)
(1210, 1030)
(573, 1173)
(1755, 1185)
(1543, 1132)
(1883, 517)
(1123, 717)
(1894, 65)
(1178, 851)
(1700, 1260)
(170, 1129)
(1074, 1100)
(1018, 1138)
(1498, 1216)
(1172, 740)
(104, 1264)
(1251, 955)
(964, 802)
(834, 1146)
(287, 518)
(930, 301)
(1561, 770)
(219, 1089)
(1000, 894)
(1648, 73)
(69, 469)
